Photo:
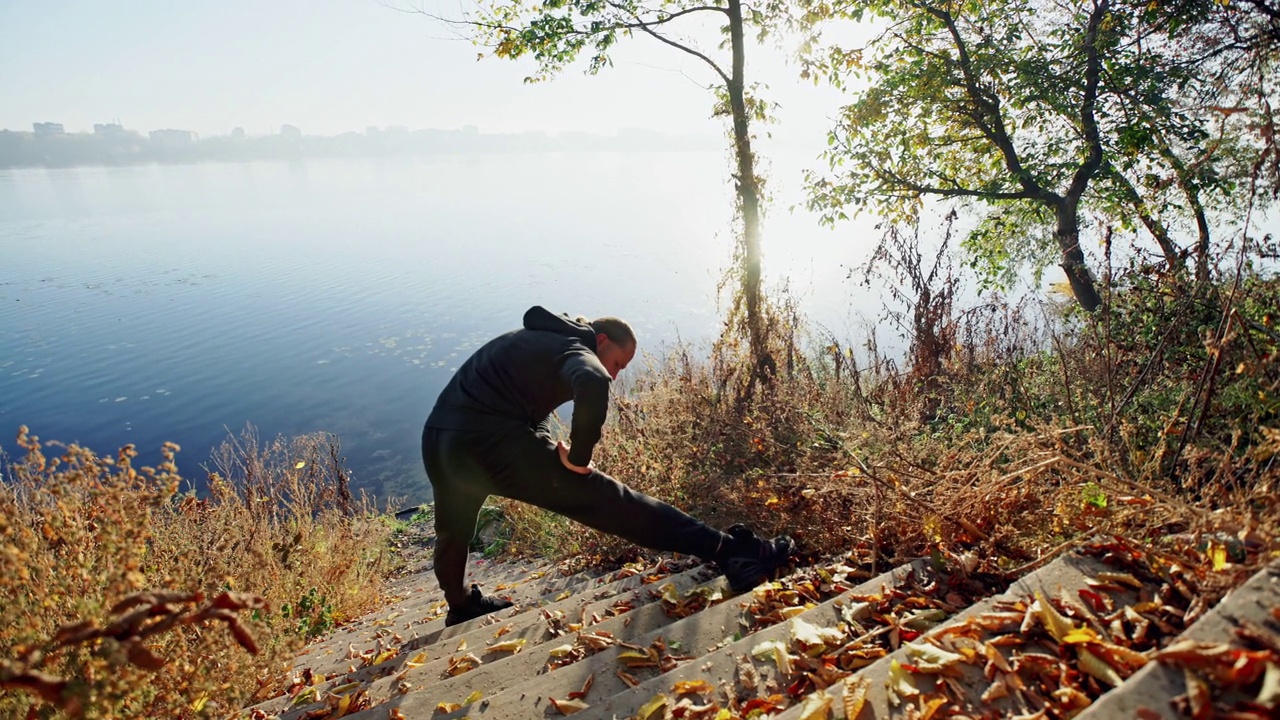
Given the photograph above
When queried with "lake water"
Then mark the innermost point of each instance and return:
(150, 303)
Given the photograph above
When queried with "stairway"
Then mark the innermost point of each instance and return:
(1109, 630)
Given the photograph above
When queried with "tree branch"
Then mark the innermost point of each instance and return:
(1088, 122)
(647, 27)
(987, 112)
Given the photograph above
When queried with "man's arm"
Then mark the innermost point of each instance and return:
(590, 383)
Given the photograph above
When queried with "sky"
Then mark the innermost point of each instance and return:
(330, 66)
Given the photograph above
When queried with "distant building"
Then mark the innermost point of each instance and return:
(171, 138)
(46, 129)
(290, 131)
(108, 129)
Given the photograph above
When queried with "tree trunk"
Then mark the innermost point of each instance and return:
(748, 191)
(1068, 237)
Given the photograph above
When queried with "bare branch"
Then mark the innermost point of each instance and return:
(648, 28)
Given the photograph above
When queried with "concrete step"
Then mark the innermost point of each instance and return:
(391, 627)
(718, 666)
(594, 606)
(494, 676)
(666, 642)
(1148, 693)
(999, 657)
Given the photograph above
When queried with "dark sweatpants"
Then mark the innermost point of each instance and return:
(467, 467)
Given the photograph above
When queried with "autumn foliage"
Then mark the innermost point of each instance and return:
(126, 596)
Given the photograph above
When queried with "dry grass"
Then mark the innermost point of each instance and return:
(1026, 435)
(124, 598)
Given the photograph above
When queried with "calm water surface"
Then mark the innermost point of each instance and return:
(152, 303)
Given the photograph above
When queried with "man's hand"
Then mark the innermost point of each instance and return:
(563, 450)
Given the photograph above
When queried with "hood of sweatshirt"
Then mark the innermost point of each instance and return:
(539, 318)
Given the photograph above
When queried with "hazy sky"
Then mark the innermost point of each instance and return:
(330, 66)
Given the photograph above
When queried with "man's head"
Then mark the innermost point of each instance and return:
(615, 344)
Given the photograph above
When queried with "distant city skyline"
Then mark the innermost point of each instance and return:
(333, 66)
(49, 144)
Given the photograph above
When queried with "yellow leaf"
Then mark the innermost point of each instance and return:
(511, 646)
(700, 687)
(1080, 635)
(670, 594)
(656, 703)
(931, 708)
(444, 707)
(473, 698)
(560, 651)
(900, 683)
(198, 704)
(1094, 665)
(772, 501)
(637, 658)
(564, 596)
(417, 660)
(385, 656)
(855, 695)
(932, 528)
(776, 650)
(462, 645)
(816, 707)
(300, 464)
(1218, 554)
(1057, 625)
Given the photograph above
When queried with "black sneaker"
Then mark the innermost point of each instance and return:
(477, 605)
(751, 560)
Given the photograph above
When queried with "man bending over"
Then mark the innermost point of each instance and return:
(489, 435)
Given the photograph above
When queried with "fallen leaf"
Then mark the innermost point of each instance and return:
(461, 665)
(697, 687)
(1093, 665)
(417, 660)
(560, 651)
(855, 695)
(1198, 696)
(901, 684)
(777, 651)
(586, 687)
(511, 646)
(1269, 695)
(444, 708)
(816, 707)
(1055, 622)
(474, 697)
(813, 639)
(637, 658)
(629, 679)
(568, 707)
(1120, 578)
(655, 705)
(929, 658)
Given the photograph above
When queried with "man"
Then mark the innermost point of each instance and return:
(489, 435)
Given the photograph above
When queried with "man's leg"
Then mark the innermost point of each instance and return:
(456, 509)
(526, 468)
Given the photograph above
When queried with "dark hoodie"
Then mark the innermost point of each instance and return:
(517, 379)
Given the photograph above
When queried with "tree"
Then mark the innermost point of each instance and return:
(1036, 110)
(556, 32)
